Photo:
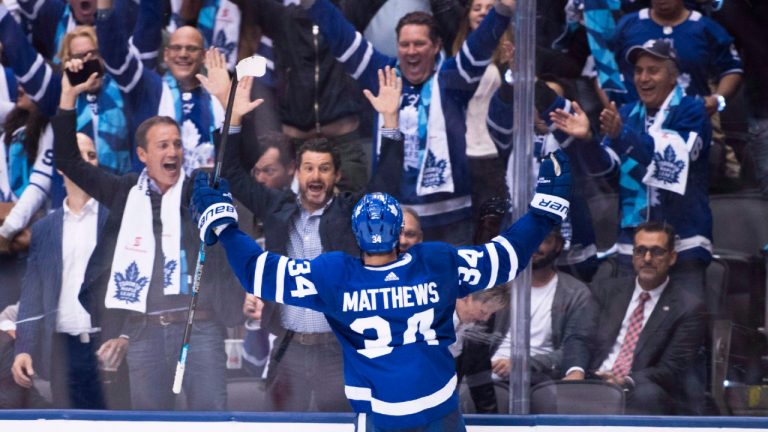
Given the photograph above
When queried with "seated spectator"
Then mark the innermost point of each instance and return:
(55, 339)
(411, 233)
(12, 395)
(660, 146)
(649, 327)
(562, 320)
(432, 114)
(138, 281)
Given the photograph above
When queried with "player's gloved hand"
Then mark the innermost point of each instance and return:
(212, 208)
(553, 187)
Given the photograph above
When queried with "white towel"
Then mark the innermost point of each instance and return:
(134, 258)
(435, 174)
(669, 167)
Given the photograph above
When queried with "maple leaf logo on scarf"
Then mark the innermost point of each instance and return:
(130, 284)
(668, 167)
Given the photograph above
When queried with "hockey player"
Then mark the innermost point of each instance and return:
(392, 313)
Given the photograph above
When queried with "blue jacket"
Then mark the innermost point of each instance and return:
(41, 289)
(633, 151)
(458, 78)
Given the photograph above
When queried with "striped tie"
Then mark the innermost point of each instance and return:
(623, 363)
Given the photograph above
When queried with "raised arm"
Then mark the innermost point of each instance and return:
(121, 59)
(387, 172)
(46, 17)
(36, 192)
(35, 75)
(147, 33)
(251, 193)
(93, 180)
(500, 260)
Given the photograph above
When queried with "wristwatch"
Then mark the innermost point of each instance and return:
(720, 102)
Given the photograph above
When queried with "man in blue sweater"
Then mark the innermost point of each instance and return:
(435, 175)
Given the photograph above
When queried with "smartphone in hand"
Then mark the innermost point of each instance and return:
(81, 76)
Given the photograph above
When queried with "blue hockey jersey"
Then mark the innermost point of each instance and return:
(443, 176)
(394, 322)
(703, 47)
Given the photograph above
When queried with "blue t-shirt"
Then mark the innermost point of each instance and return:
(705, 50)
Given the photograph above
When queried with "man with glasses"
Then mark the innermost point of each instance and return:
(649, 327)
(177, 93)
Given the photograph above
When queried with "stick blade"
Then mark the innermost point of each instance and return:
(254, 66)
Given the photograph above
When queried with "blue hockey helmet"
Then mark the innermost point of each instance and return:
(377, 221)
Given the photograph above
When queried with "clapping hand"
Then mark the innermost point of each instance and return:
(575, 125)
(610, 121)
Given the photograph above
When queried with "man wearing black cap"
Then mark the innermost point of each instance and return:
(660, 145)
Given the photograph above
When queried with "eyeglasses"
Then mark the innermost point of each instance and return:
(82, 56)
(192, 49)
(656, 251)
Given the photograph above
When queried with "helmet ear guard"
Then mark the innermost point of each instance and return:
(377, 220)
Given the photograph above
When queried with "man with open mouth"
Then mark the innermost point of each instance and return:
(138, 283)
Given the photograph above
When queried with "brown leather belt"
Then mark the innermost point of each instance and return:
(313, 338)
(172, 317)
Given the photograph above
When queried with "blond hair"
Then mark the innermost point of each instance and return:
(64, 54)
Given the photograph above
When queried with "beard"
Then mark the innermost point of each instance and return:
(545, 261)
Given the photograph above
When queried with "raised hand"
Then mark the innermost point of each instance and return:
(69, 93)
(553, 187)
(610, 121)
(575, 125)
(388, 100)
(243, 104)
(217, 81)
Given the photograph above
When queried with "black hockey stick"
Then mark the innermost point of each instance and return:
(251, 66)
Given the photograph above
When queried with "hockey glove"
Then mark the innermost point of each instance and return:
(212, 208)
(553, 187)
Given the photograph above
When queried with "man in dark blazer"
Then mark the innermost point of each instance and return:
(55, 338)
(670, 329)
(138, 282)
(301, 226)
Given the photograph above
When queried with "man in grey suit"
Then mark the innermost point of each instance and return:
(649, 328)
(563, 315)
(54, 332)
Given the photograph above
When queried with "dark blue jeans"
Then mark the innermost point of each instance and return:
(152, 356)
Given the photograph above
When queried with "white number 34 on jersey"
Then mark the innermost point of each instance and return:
(304, 286)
